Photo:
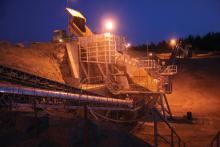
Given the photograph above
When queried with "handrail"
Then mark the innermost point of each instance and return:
(149, 64)
(156, 114)
(169, 70)
(215, 140)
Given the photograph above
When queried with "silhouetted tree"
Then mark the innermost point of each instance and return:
(208, 42)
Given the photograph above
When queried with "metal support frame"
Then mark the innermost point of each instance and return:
(164, 106)
(158, 117)
(108, 50)
(84, 70)
(168, 110)
(155, 131)
(36, 118)
(85, 129)
(215, 141)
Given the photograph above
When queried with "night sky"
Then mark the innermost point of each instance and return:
(138, 20)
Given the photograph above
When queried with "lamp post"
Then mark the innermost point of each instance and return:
(147, 51)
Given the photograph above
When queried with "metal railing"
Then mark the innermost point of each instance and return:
(100, 48)
(169, 70)
(149, 64)
(171, 141)
(215, 141)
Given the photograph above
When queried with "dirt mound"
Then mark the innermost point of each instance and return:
(42, 59)
(196, 87)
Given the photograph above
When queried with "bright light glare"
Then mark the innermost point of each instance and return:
(60, 40)
(109, 25)
(173, 42)
(128, 45)
(150, 54)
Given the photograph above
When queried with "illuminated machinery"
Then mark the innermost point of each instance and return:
(102, 66)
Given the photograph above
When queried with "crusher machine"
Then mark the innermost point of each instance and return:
(100, 64)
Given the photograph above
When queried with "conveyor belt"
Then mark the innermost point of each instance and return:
(26, 79)
(21, 79)
(10, 95)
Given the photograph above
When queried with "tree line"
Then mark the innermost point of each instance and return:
(208, 42)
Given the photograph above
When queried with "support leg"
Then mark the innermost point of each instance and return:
(168, 106)
(155, 130)
(162, 106)
(85, 126)
(36, 119)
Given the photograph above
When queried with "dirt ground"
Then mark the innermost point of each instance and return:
(58, 131)
(196, 89)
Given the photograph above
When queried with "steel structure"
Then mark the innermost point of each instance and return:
(106, 54)
(103, 61)
(174, 138)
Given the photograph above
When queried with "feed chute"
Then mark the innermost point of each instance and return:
(77, 24)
